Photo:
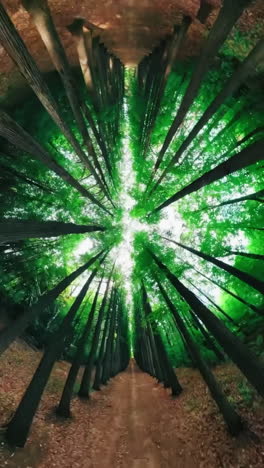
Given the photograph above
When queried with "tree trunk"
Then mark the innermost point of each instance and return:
(149, 333)
(8, 334)
(40, 13)
(113, 342)
(110, 338)
(229, 14)
(87, 374)
(65, 401)
(160, 353)
(17, 50)
(98, 371)
(213, 303)
(100, 141)
(247, 362)
(256, 196)
(158, 72)
(247, 255)
(82, 45)
(174, 384)
(26, 180)
(157, 359)
(19, 426)
(13, 229)
(246, 157)
(230, 416)
(208, 339)
(151, 364)
(116, 362)
(255, 57)
(241, 275)
(16, 135)
(250, 135)
(240, 299)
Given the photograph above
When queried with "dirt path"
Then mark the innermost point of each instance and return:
(136, 447)
(133, 422)
(140, 424)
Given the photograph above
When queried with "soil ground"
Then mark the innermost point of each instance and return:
(133, 422)
(129, 28)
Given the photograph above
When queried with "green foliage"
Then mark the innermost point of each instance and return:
(213, 231)
(29, 268)
(246, 392)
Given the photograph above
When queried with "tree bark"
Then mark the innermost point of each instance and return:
(173, 381)
(230, 416)
(255, 57)
(149, 334)
(8, 334)
(157, 75)
(13, 229)
(26, 180)
(229, 14)
(82, 45)
(98, 371)
(12, 132)
(160, 356)
(247, 362)
(213, 303)
(256, 196)
(87, 374)
(65, 401)
(247, 255)
(210, 342)
(250, 280)
(108, 349)
(17, 50)
(246, 157)
(40, 13)
(240, 299)
(19, 426)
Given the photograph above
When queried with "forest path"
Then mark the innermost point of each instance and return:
(134, 431)
(136, 424)
(133, 422)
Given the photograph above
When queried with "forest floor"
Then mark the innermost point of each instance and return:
(133, 422)
(129, 28)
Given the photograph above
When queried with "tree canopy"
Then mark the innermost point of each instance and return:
(136, 194)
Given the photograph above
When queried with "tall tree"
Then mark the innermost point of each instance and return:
(19, 426)
(106, 365)
(247, 278)
(167, 371)
(231, 293)
(246, 254)
(248, 363)
(228, 16)
(99, 361)
(16, 135)
(256, 196)
(21, 177)
(17, 50)
(65, 401)
(216, 306)
(255, 57)
(41, 15)
(13, 229)
(8, 334)
(248, 156)
(209, 341)
(87, 374)
(230, 416)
